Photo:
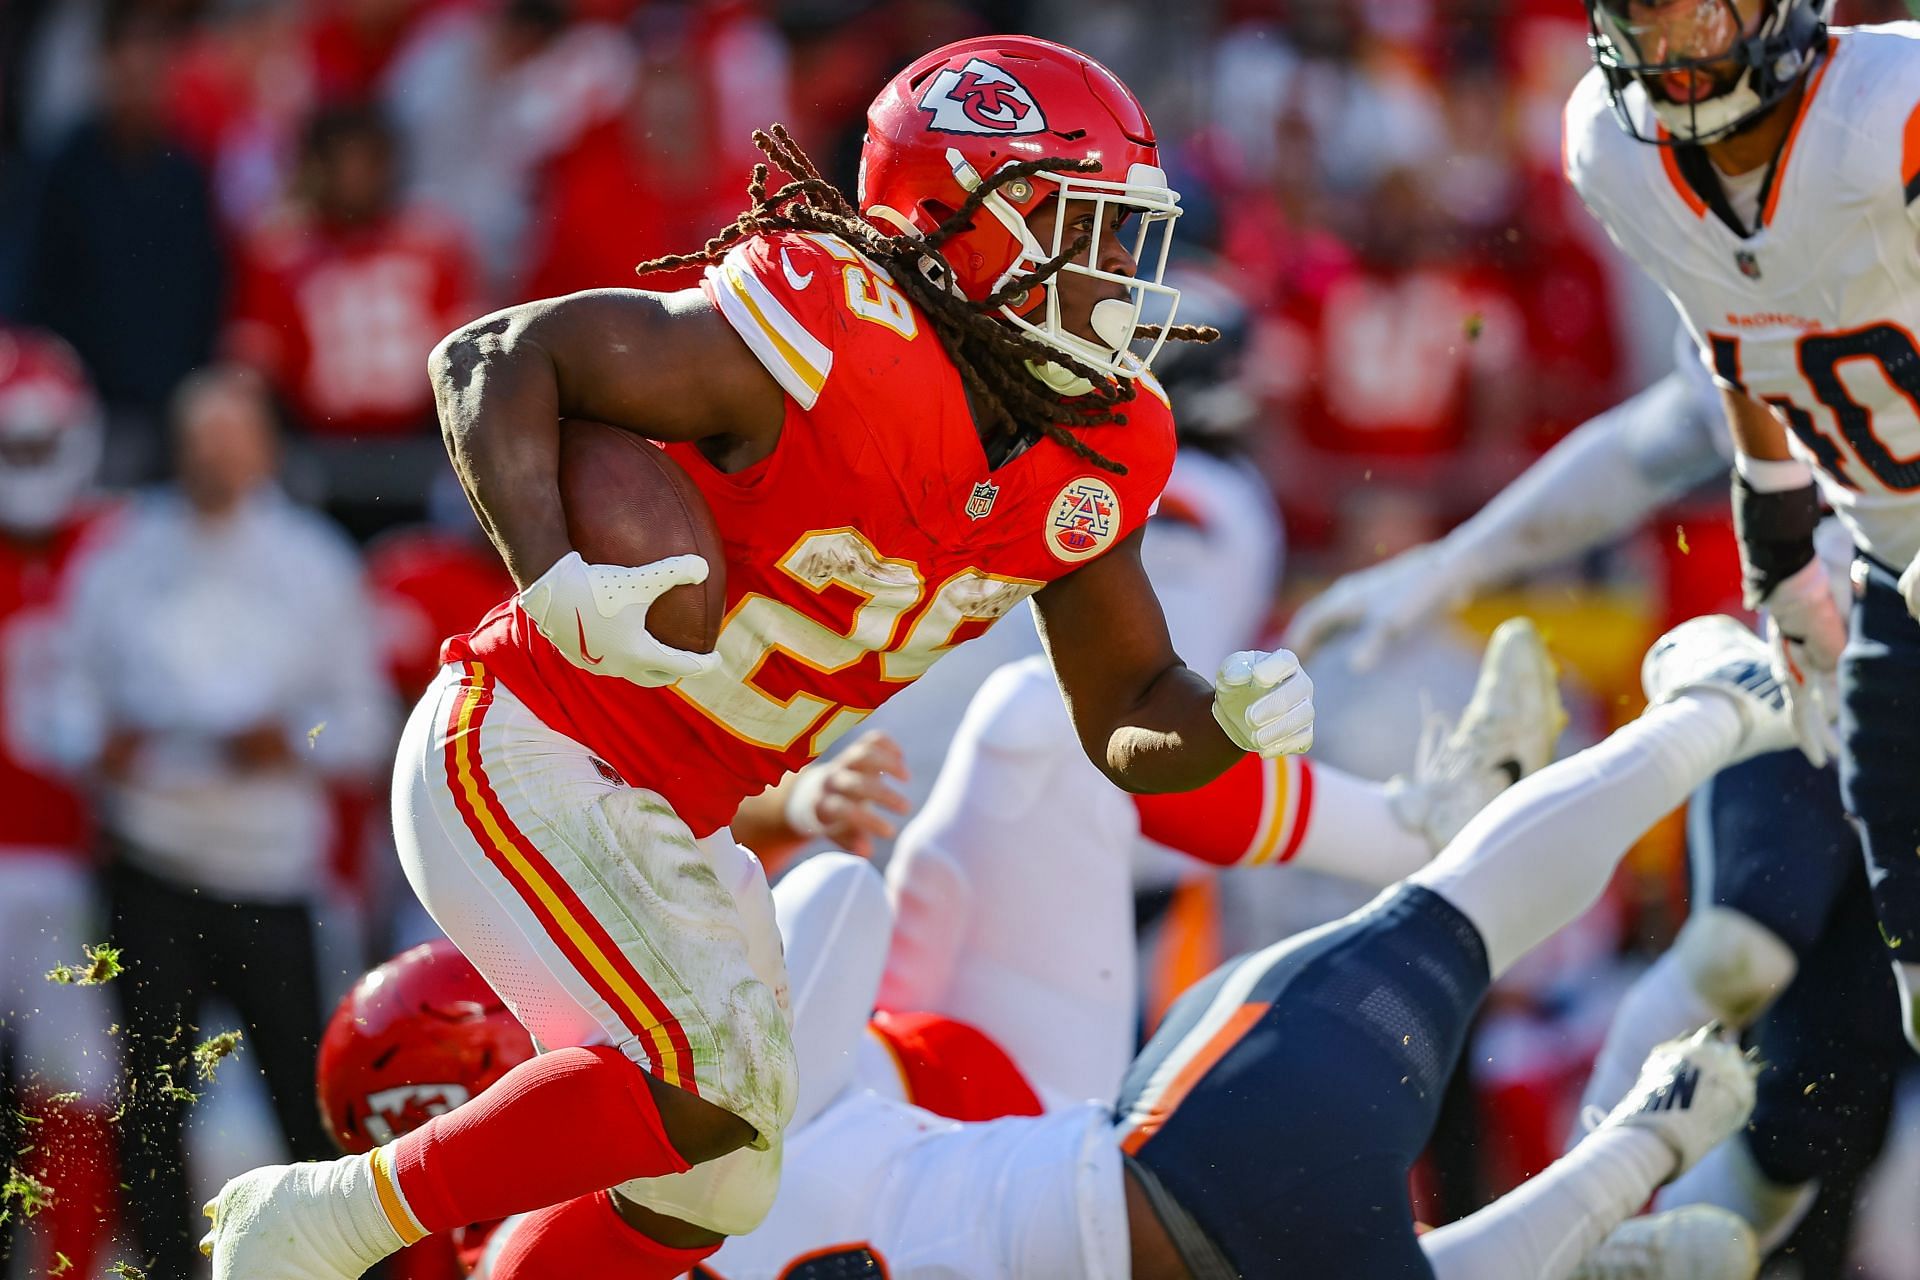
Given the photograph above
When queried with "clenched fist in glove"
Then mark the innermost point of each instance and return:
(596, 614)
(1264, 702)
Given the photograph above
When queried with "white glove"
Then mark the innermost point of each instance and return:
(1807, 633)
(1910, 588)
(1264, 703)
(1378, 604)
(596, 615)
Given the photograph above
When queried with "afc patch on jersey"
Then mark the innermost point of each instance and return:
(1084, 521)
(981, 98)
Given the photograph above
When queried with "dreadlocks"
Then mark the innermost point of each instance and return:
(992, 358)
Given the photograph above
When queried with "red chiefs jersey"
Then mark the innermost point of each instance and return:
(870, 542)
(342, 319)
(38, 811)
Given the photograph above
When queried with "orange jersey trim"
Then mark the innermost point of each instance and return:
(1793, 135)
(1671, 163)
(565, 918)
(1198, 1065)
(1910, 156)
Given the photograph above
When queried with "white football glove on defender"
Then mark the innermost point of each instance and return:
(1910, 588)
(1379, 604)
(596, 615)
(1806, 632)
(1264, 703)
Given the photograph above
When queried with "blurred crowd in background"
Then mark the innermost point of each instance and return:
(248, 221)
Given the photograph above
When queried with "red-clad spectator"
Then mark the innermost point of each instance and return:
(56, 1037)
(430, 582)
(342, 296)
(1401, 354)
(660, 176)
(352, 41)
(239, 92)
(484, 98)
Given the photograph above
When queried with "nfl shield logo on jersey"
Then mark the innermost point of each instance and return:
(1084, 521)
(980, 501)
(1749, 265)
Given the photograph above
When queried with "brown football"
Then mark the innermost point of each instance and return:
(628, 503)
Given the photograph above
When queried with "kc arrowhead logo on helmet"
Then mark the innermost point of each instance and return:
(981, 98)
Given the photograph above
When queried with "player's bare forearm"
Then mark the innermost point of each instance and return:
(1757, 430)
(498, 401)
(1170, 742)
(666, 366)
(1142, 716)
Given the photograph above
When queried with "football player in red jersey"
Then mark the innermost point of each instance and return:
(50, 443)
(908, 413)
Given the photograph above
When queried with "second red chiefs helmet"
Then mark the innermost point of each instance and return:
(962, 113)
(50, 431)
(416, 1037)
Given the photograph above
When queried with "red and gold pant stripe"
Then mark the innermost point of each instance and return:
(553, 902)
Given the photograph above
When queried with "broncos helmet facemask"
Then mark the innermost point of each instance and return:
(1705, 71)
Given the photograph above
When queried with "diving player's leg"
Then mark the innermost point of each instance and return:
(1880, 729)
(1542, 853)
(1691, 1093)
(615, 938)
(1283, 1101)
(1771, 851)
(1830, 1058)
(1012, 892)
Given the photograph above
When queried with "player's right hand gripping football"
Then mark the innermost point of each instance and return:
(596, 614)
(1264, 703)
(1806, 632)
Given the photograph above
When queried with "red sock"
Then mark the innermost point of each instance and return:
(566, 1124)
(586, 1237)
(1255, 812)
(74, 1143)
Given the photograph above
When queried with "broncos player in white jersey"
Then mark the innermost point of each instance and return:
(1764, 170)
(1779, 891)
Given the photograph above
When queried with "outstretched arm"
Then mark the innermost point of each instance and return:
(1606, 477)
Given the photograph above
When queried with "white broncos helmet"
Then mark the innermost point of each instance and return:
(1647, 46)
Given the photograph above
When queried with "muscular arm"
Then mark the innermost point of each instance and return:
(666, 366)
(1757, 430)
(1142, 716)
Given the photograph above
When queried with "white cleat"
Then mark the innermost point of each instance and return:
(295, 1222)
(1716, 654)
(1697, 1242)
(1507, 731)
(1693, 1093)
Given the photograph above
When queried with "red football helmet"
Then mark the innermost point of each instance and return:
(963, 112)
(415, 1037)
(50, 431)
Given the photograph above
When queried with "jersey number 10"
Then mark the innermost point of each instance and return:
(1820, 358)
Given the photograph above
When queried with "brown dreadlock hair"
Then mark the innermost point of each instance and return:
(992, 357)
